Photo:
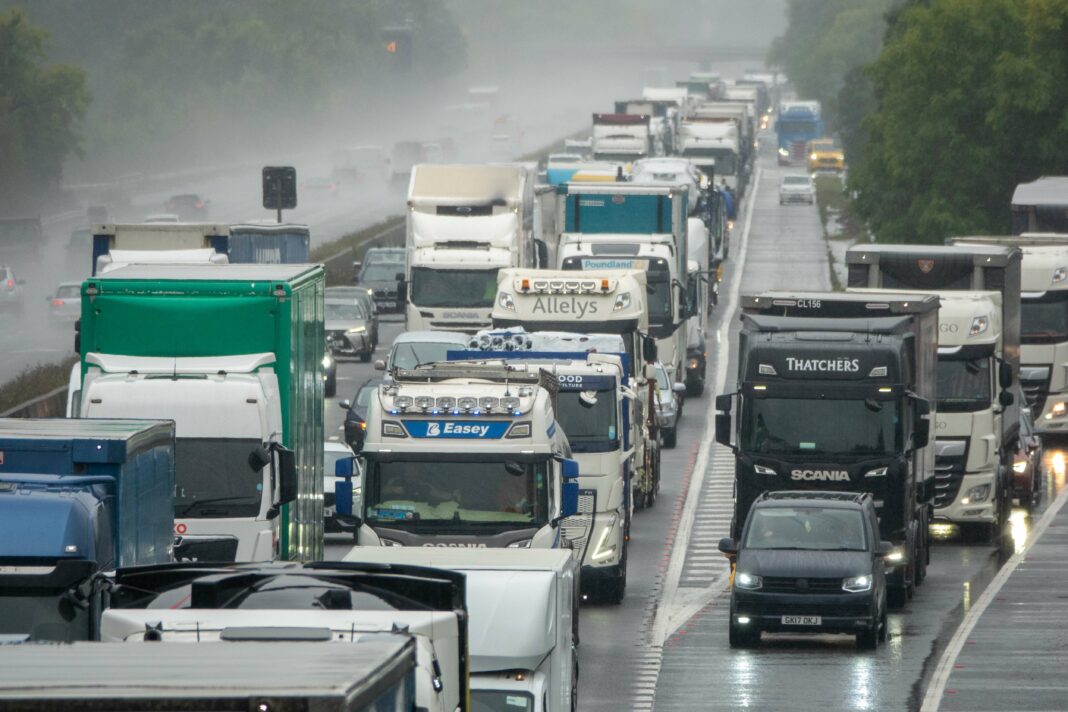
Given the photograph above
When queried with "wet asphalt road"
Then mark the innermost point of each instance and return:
(629, 660)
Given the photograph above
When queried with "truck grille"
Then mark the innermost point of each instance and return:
(950, 458)
(214, 549)
(1035, 383)
(465, 326)
(790, 584)
(797, 150)
(576, 529)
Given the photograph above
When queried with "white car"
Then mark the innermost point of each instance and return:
(332, 452)
(797, 188)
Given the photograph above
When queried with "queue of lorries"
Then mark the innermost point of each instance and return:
(553, 320)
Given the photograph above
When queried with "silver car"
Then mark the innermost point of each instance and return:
(668, 405)
(65, 305)
(346, 330)
(797, 188)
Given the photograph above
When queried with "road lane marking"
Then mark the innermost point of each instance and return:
(936, 690)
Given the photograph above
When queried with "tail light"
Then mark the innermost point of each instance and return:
(58, 302)
(200, 204)
(10, 284)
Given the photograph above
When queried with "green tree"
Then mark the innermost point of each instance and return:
(972, 99)
(41, 107)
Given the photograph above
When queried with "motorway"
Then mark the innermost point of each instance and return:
(665, 647)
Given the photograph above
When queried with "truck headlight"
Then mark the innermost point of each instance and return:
(749, 582)
(1019, 466)
(1057, 411)
(357, 330)
(521, 544)
(813, 156)
(505, 301)
(622, 302)
(1059, 275)
(783, 152)
(976, 494)
(979, 325)
(604, 549)
(857, 584)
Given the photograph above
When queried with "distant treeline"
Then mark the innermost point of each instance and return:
(943, 106)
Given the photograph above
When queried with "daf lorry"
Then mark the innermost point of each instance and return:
(523, 622)
(77, 498)
(624, 138)
(377, 673)
(596, 301)
(465, 455)
(344, 604)
(234, 355)
(464, 223)
(978, 422)
(834, 393)
(142, 237)
(798, 123)
(1041, 206)
(1043, 324)
(593, 408)
(634, 226)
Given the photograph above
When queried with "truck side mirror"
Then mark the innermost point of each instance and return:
(287, 475)
(649, 349)
(258, 459)
(380, 365)
(343, 468)
(1005, 398)
(570, 469)
(1005, 376)
(723, 429)
(343, 497)
(569, 496)
(402, 289)
(723, 403)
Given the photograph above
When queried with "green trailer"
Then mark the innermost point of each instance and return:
(233, 354)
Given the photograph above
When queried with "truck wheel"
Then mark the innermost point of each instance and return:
(695, 387)
(365, 357)
(671, 437)
(615, 588)
(330, 387)
(897, 596)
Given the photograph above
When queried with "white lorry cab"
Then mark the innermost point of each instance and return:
(466, 455)
(596, 301)
(523, 621)
(593, 407)
(464, 223)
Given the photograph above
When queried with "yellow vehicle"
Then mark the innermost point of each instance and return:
(825, 155)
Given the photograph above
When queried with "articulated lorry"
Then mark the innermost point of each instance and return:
(269, 243)
(798, 123)
(622, 137)
(593, 408)
(1043, 324)
(834, 393)
(77, 498)
(1041, 206)
(377, 673)
(732, 150)
(596, 302)
(465, 455)
(978, 422)
(464, 223)
(523, 623)
(140, 238)
(634, 227)
(702, 289)
(234, 355)
(338, 604)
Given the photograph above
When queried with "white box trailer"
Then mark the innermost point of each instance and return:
(523, 620)
(464, 223)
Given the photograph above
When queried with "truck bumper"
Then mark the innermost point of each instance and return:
(965, 510)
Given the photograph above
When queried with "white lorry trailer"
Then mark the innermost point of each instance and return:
(464, 223)
(465, 455)
(523, 625)
(593, 408)
(596, 302)
(624, 138)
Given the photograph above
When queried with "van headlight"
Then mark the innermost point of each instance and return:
(896, 555)
(857, 584)
(749, 582)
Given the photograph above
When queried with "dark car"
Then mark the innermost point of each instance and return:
(1027, 463)
(356, 413)
(188, 206)
(382, 271)
(362, 296)
(809, 562)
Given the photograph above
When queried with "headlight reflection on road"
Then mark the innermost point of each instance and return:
(863, 693)
(1020, 527)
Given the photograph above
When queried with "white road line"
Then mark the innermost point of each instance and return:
(674, 608)
(936, 690)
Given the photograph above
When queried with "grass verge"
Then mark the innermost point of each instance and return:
(35, 381)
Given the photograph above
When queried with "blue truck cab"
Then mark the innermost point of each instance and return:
(798, 123)
(264, 242)
(78, 497)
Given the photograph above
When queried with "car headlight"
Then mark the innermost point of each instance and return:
(327, 361)
(748, 581)
(357, 330)
(896, 555)
(976, 494)
(505, 301)
(1019, 466)
(813, 156)
(857, 584)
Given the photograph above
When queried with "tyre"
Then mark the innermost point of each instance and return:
(365, 357)
(613, 589)
(695, 387)
(897, 596)
(330, 386)
(740, 637)
(883, 628)
(869, 639)
(671, 437)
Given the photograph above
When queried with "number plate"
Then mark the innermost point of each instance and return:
(801, 620)
(388, 305)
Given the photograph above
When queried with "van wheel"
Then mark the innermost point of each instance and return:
(739, 637)
(869, 639)
(897, 596)
(671, 437)
(614, 589)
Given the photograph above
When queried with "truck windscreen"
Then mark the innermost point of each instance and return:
(964, 385)
(1044, 320)
(725, 158)
(459, 288)
(813, 428)
(212, 478)
(448, 493)
(588, 419)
